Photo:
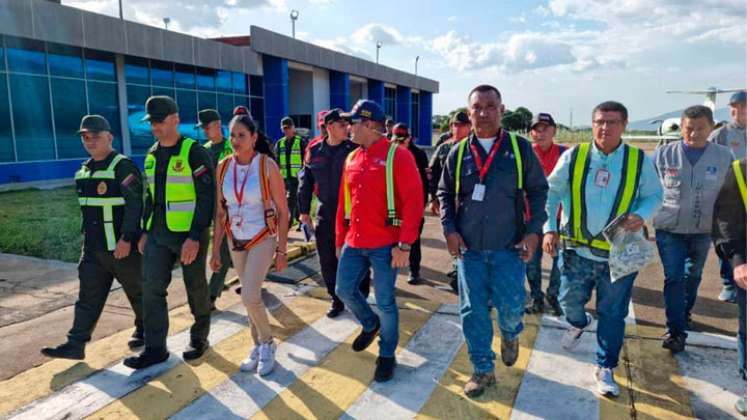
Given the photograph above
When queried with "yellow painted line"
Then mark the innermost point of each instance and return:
(167, 394)
(448, 399)
(327, 390)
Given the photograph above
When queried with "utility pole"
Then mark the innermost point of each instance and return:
(294, 17)
(417, 58)
(121, 15)
(378, 47)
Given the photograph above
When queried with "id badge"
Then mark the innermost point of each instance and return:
(237, 221)
(478, 193)
(602, 178)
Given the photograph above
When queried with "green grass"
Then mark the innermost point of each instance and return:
(41, 223)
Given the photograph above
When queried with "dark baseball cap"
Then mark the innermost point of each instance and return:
(460, 117)
(738, 98)
(367, 109)
(206, 116)
(333, 116)
(287, 122)
(94, 124)
(158, 107)
(400, 131)
(543, 118)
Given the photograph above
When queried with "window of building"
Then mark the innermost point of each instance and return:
(6, 132)
(2, 54)
(223, 81)
(141, 137)
(185, 76)
(103, 100)
(239, 84)
(65, 61)
(390, 95)
(206, 100)
(162, 74)
(32, 119)
(25, 56)
(414, 114)
(257, 108)
(187, 101)
(256, 87)
(225, 107)
(205, 79)
(68, 104)
(100, 66)
(137, 71)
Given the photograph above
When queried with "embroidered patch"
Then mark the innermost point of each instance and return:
(129, 180)
(101, 188)
(178, 166)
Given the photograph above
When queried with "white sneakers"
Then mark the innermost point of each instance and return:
(606, 385)
(572, 337)
(261, 358)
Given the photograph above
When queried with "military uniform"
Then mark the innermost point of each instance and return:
(110, 198)
(289, 154)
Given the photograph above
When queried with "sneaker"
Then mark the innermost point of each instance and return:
(572, 337)
(509, 351)
(384, 368)
(365, 338)
(66, 350)
(728, 294)
(477, 384)
(537, 307)
(606, 385)
(266, 358)
(250, 363)
(741, 406)
(674, 342)
(555, 308)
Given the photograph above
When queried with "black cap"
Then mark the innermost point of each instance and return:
(400, 131)
(333, 115)
(206, 116)
(544, 118)
(94, 124)
(157, 108)
(460, 117)
(287, 122)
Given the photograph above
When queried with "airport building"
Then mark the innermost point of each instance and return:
(58, 63)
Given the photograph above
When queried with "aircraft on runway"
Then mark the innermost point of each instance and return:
(710, 94)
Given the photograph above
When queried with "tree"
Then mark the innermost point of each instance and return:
(518, 120)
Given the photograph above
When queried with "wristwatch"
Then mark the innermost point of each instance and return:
(403, 246)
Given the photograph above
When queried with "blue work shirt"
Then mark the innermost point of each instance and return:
(600, 200)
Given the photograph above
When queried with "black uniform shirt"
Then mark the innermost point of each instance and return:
(323, 171)
(730, 220)
(421, 160)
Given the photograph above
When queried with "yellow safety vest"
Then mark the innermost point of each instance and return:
(108, 196)
(392, 219)
(740, 182)
(181, 198)
(227, 149)
(576, 231)
(296, 161)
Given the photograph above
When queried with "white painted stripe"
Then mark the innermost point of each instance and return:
(244, 394)
(420, 366)
(85, 397)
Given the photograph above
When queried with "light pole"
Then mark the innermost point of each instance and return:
(294, 18)
(378, 47)
(417, 58)
(166, 22)
(121, 15)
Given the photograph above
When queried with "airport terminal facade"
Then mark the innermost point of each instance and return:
(58, 63)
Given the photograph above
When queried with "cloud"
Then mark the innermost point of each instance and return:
(452, 18)
(387, 35)
(342, 45)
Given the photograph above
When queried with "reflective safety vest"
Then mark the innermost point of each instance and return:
(227, 149)
(181, 198)
(741, 183)
(100, 189)
(392, 219)
(296, 160)
(517, 157)
(576, 231)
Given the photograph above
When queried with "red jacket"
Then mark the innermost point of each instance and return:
(548, 159)
(365, 174)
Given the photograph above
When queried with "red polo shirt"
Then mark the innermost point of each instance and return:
(365, 173)
(548, 159)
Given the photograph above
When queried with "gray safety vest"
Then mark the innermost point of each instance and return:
(733, 137)
(689, 191)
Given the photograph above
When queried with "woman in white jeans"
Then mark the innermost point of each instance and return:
(252, 210)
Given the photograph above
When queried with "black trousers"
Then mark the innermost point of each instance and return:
(416, 254)
(96, 272)
(325, 247)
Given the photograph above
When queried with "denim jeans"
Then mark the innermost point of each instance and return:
(496, 276)
(683, 257)
(352, 269)
(534, 277)
(578, 278)
(727, 273)
(742, 332)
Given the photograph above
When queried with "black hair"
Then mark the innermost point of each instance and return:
(698, 111)
(611, 106)
(484, 88)
(262, 145)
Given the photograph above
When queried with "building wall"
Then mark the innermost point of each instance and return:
(321, 93)
(301, 97)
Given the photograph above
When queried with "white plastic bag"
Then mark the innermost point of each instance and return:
(629, 252)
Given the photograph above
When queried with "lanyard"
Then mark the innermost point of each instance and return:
(239, 193)
(489, 161)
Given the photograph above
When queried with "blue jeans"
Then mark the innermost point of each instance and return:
(742, 332)
(534, 276)
(727, 273)
(683, 257)
(578, 278)
(496, 276)
(352, 269)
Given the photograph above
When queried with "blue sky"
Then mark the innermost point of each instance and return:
(551, 55)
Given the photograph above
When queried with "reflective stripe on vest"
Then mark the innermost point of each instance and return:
(577, 231)
(517, 155)
(180, 195)
(227, 149)
(295, 157)
(391, 209)
(106, 204)
(740, 182)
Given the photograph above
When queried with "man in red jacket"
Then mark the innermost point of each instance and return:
(381, 205)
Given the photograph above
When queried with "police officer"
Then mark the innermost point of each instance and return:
(289, 151)
(218, 147)
(110, 195)
(178, 209)
(322, 173)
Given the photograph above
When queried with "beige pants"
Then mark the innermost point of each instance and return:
(252, 267)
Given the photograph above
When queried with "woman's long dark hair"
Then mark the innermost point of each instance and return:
(242, 116)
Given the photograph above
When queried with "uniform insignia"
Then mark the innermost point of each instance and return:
(178, 166)
(127, 181)
(101, 188)
(711, 170)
